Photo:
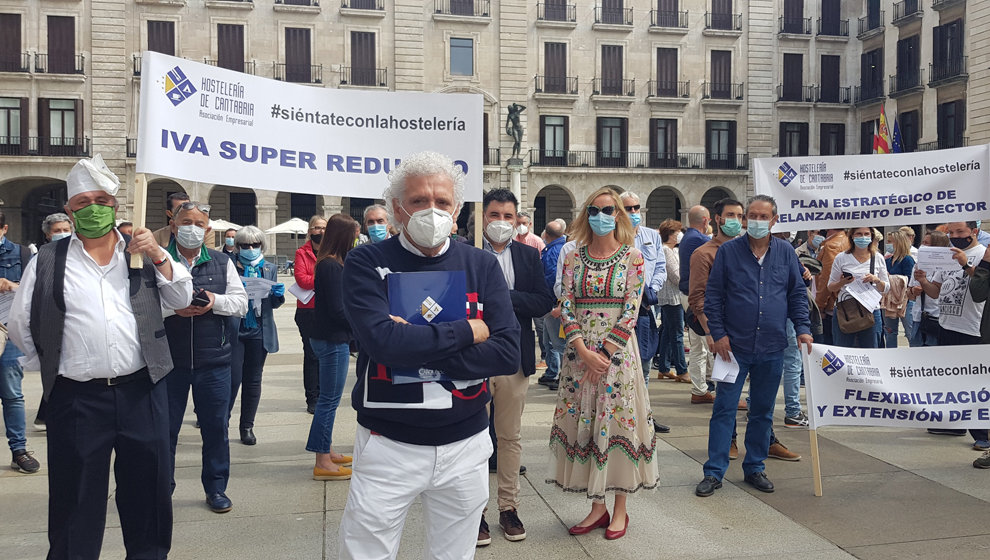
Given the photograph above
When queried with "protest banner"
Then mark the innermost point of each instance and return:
(209, 124)
(819, 192)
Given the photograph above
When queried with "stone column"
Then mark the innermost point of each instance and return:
(515, 166)
(332, 205)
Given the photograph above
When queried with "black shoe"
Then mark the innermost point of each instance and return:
(760, 481)
(247, 436)
(196, 424)
(553, 385)
(23, 461)
(311, 408)
(219, 503)
(660, 428)
(707, 486)
(546, 380)
(522, 469)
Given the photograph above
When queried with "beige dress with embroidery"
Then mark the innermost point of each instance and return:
(602, 438)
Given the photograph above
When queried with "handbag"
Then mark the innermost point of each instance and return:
(851, 314)
(691, 320)
(929, 324)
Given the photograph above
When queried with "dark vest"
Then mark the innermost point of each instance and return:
(204, 341)
(48, 314)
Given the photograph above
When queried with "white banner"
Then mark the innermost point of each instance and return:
(944, 387)
(818, 192)
(209, 124)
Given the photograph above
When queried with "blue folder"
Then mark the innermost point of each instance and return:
(425, 298)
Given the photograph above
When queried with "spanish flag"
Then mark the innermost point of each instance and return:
(881, 138)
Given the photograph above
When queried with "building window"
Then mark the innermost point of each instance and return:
(553, 140)
(721, 86)
(663, 143)
(161, 37)
(613, 12)
(11, 125)
(831, 18)
(871, 76)
(720, 144)
(60, 124)
(461, 56)
(833, 139)
(61, 45)
(668, 13)
(873, 14)
(793, 78)
(793, 139)
(611, 70)
(909, 125)
(462, 7)
(951, 123)
(612, 141)
(230, 47)
(908, 62)
(10, 43)
(866, 131)
(555, 67)
(298, 59)
(722, 14)
(793, 16)
(303, 206)
(667, 73)
(829, 92)
(947, 51)
(363, 58)
(243, 208)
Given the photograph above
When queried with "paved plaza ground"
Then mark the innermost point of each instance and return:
(888, 493)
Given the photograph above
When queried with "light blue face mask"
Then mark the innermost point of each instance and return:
(758, 229)
(731, 227)
(377, 232)
(602, 224)
(818, 240)
(249, 255)
(228, 241)
(862, 242)
(60, 235)
(888, 248)
(636, 219)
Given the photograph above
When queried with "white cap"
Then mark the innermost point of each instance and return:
(92, 175)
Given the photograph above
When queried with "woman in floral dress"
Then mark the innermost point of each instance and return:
(602, 438)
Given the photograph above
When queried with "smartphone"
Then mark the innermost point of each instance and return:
(847, 275)
(200, 298)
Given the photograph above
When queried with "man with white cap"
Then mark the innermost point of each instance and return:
(94, 327)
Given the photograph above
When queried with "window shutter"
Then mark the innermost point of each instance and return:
(25, 103)
(732, 145)
(624, 136)
(10, 42)
(567, 138)
(543, 134)
(363, 58)
(44, 125)
(803, 142)
(782, 140)
(61, 44)
(161, 37)
(230, 47)
(708, 137)
(841, 144)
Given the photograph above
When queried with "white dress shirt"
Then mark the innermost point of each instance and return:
(504, 259)
(232, 303)
(100, 337)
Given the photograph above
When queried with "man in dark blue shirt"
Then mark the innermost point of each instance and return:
(699, 368)
(755, 285)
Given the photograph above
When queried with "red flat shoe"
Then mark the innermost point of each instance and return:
(603, 521)
(612, 535)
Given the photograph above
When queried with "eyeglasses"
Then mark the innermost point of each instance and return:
(607, 210)
(204, 208)
(250, 245)
(632, 208)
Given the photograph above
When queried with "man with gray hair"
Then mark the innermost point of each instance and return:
(376, 223)
(424, 440)
(524, 232)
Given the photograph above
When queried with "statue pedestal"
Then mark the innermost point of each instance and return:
(515, 165)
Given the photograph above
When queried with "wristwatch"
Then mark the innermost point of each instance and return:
(966, 267)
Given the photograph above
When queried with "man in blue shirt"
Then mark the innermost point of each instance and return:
(762, 276)
(694, 237)
(552, 341)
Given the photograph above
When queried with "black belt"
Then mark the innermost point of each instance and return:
(120, 379)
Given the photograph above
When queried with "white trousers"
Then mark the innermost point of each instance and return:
(451, 481)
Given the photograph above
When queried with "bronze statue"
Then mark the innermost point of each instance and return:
(514, 128)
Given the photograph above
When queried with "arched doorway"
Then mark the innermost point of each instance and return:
(662, 204)
(26, 202)
(158, 192)
(551, 202)
(714, 195)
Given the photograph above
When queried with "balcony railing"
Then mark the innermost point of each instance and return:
(905, 10)
(943, 4)
(614, 86)
(664, 88)
(614, 15)
(800, 94)
(298, 73)
(795, 26)
(942, 144)
(43, 146)
(492, 156)
(475, 8)
(378, 5)
(16, 62)
(842, 94)
(371, 77)
(677, 20)
(723, 22)
(718, 90)
(833, 27)
(866, 94)
(132, 147)
(870, 22)
(43, 64)
(556, 12)
(250, 67)
(567, 85)
(900, 83)
(945, 71)
(299, 2)
(652, 160)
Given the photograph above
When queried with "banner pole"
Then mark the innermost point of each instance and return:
(140, 197)
(478, 218)
(816, 466)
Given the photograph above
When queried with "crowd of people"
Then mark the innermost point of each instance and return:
(597, 305)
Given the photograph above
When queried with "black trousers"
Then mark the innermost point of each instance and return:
(247, 362)
(311, 365)
(948, 337)
(86, 423)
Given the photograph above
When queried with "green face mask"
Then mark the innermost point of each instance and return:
(94, 220)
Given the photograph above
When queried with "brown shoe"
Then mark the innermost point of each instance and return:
(778, 451)
(707, 398)
(667, 375)
(733, 450)
(484, 535)
(513, 528)
(683, 378)
(742, 404)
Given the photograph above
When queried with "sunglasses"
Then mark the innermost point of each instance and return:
(204, 208)
(607, 210)
(632, 208)
(250, 245)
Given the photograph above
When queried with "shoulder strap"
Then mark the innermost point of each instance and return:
(58, 282)
(873, 258)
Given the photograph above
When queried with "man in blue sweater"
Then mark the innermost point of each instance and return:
(423, 440)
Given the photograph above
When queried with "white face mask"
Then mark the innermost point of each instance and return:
(429, 227)
(190, 236)
(499, 231)
(680, 235)
(522, 230)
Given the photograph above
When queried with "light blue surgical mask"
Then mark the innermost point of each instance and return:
(818, 240)
(635, 218)
(758, 229)
(862, 242)
(888, 248)
(731, 227)
(60, 235)
(602, 224)
(228, 241)
(377, 232)
(249, 255)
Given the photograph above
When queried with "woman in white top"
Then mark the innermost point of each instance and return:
(919, 337)
(855, 266)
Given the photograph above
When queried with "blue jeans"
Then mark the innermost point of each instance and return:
(764, 371)
(12, 398)
(648, 336)
(793, 367)
(919, 338)
(333, 374)
(671, 347)
(211, 398)
(538, 327)
(554, 346)
(890, 326)
(866, 338)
